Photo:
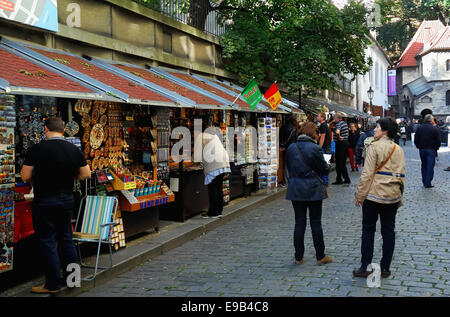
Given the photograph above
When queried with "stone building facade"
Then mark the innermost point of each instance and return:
(423, 72)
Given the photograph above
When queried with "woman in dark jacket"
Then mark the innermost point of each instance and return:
(305, 163)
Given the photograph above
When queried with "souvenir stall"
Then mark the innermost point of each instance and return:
(7, 181)
(186, 178)
(126, 147)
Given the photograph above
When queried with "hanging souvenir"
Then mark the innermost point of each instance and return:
(95, 115)
(96, 137)
(85, 120)
(86, 106)
(78, 106)
(72, 127)
(103, 120)
(102, 107)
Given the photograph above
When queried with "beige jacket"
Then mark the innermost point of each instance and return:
(384, 189)
(213, 154)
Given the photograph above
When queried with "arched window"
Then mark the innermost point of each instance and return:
(448, 64)
(447, 98)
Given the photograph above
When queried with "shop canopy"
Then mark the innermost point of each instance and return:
(20, 74)
(313, 105)
(37, 70)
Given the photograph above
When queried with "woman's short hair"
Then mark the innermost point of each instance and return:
(388, 124)
(309, 129)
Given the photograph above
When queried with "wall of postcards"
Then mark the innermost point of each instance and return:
(7, 181)
(267, 153)
(163, 143)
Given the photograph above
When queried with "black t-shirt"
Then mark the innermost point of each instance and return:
(56, 165)
(323, 129)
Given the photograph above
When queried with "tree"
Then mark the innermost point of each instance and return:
(303, 44)
(401, 19)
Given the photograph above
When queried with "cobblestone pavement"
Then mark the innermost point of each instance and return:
(253, 255)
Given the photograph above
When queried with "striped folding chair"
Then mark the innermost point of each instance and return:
(97, 225)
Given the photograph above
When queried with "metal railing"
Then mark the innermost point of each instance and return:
(200, 16)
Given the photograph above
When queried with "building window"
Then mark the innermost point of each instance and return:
(426, 99)
(167, 40)
(448, 64)
(447, 98)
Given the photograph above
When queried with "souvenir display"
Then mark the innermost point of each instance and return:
(96, 137)
(72, 128)
(163, 143)
(267, 153)
(7, 181)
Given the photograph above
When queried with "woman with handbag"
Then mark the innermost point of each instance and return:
(305, 162)
(380, 192)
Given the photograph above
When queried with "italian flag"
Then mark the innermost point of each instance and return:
(252, 94)
(273, 96)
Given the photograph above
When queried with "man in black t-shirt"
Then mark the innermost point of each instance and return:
(52, 166)
(324, 139)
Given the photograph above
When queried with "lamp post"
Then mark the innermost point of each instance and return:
(370, 95)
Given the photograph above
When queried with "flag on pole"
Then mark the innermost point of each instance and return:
(252, 94)
(273, 96)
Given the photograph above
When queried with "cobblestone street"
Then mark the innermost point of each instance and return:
(254, 255)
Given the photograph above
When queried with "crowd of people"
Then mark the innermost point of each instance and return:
(377, 151)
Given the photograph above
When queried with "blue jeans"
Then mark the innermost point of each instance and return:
(52, 225)
(387, 213)
(315, 218)
(428, 158)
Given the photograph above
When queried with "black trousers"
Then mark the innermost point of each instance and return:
(52, 225)
(215, 193)
(341, 160)
(315, 220)
(387, 213)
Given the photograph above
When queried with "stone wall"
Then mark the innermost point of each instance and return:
(435, 100)
(124, 31)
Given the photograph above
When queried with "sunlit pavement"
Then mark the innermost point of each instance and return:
(253, 255)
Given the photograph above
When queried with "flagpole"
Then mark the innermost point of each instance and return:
(235, 99)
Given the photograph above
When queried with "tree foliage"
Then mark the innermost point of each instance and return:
(300, 43)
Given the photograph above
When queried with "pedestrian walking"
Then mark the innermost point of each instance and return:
(341, 138)
(51, 166)
(352, 141)
(380, 192)
(360, 149)
(324, 139)
(428, 141)
(306, 190)
(403, 134)
(216, 165)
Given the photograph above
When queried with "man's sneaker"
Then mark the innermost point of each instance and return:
(42, 290)
(206, 216)
(361, 273)
(447, 169)
(385, 273)
(325, 260)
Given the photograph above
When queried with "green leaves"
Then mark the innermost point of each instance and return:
(299, 43)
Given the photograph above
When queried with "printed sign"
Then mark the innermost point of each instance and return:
(38, 13)
(392, 83)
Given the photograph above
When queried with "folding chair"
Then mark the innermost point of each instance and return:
(97, 226)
